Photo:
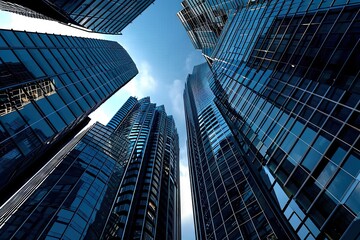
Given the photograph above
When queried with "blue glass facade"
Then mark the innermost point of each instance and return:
(205, 21)
(99, 16)
(286, 80)
(49, 85)
(122, 113)
(118, 183)
(228, 203)
(72, 196)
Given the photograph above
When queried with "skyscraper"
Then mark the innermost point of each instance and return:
(228, 203)
(286, 80)
(116, 181)
(148, 204)
(49, 84)
(98, 16)
(205, 21)
(71, 197)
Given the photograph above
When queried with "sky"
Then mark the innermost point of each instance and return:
(164, 56)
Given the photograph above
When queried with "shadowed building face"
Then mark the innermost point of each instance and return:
(99, 16)
(49, 85)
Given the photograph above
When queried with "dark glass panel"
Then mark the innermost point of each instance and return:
(338, 223)
(248, 231)
(308, 194)
(3, 43)
(23, 135)
(24, 38)
(349, 134)
(332, 126)
(36, 39)
(296, 180)
(11, 39)
(52, 61)
(29, 63)
(50, 113)
(322, 208)
(61, 108)
(41, 62)
(8, 56)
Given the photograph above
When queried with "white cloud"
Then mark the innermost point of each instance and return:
(143, 84)
(99, 116)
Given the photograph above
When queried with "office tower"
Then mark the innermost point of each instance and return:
(49, 84)
(71, 197)
(98, 16)
(205, 21)
(286, 79)
(228, 203)
(118, 181)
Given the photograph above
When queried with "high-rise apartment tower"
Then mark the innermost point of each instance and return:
(119, 181)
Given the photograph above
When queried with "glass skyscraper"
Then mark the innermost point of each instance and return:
(205, 21)
(148, 205)
(98, 16)
(72, 196)
(285, 75)
(116, 181)
(49, 84)
(228, 203)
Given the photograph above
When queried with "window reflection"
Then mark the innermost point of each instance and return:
(14, 124)
(13, 73)
(17, 97)
(340, 184)
(31, 66)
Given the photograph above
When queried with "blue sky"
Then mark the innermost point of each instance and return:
(164, 55)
